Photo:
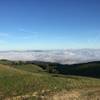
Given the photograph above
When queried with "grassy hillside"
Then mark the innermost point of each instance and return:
(90, 69)
(31, 82)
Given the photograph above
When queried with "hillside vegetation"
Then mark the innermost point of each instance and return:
(46, 81)
(90, 69)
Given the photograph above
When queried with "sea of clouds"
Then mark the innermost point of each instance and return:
(60, 56)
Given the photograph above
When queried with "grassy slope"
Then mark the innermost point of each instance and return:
(91, 69)
(27, 79)
(29, 68)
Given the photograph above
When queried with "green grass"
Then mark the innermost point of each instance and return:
(29, 67)
(23, 79)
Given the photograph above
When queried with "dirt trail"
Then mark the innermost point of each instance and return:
(78, 94)
(84, 94)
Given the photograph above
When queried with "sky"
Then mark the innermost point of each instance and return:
(49, 24)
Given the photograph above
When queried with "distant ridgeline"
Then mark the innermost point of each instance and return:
(90, 69)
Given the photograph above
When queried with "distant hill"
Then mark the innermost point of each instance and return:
(90, 69)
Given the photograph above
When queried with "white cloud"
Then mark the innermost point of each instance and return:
(26, 37)
(27, 31)
(4, 34)
(26, 34)
(60, 56)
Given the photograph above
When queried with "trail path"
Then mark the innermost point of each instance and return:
(78, 94)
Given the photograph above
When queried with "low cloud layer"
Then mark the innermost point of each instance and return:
(59, 56)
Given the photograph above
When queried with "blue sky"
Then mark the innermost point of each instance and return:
(49, 24)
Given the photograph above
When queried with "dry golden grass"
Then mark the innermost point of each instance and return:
(79, 94)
